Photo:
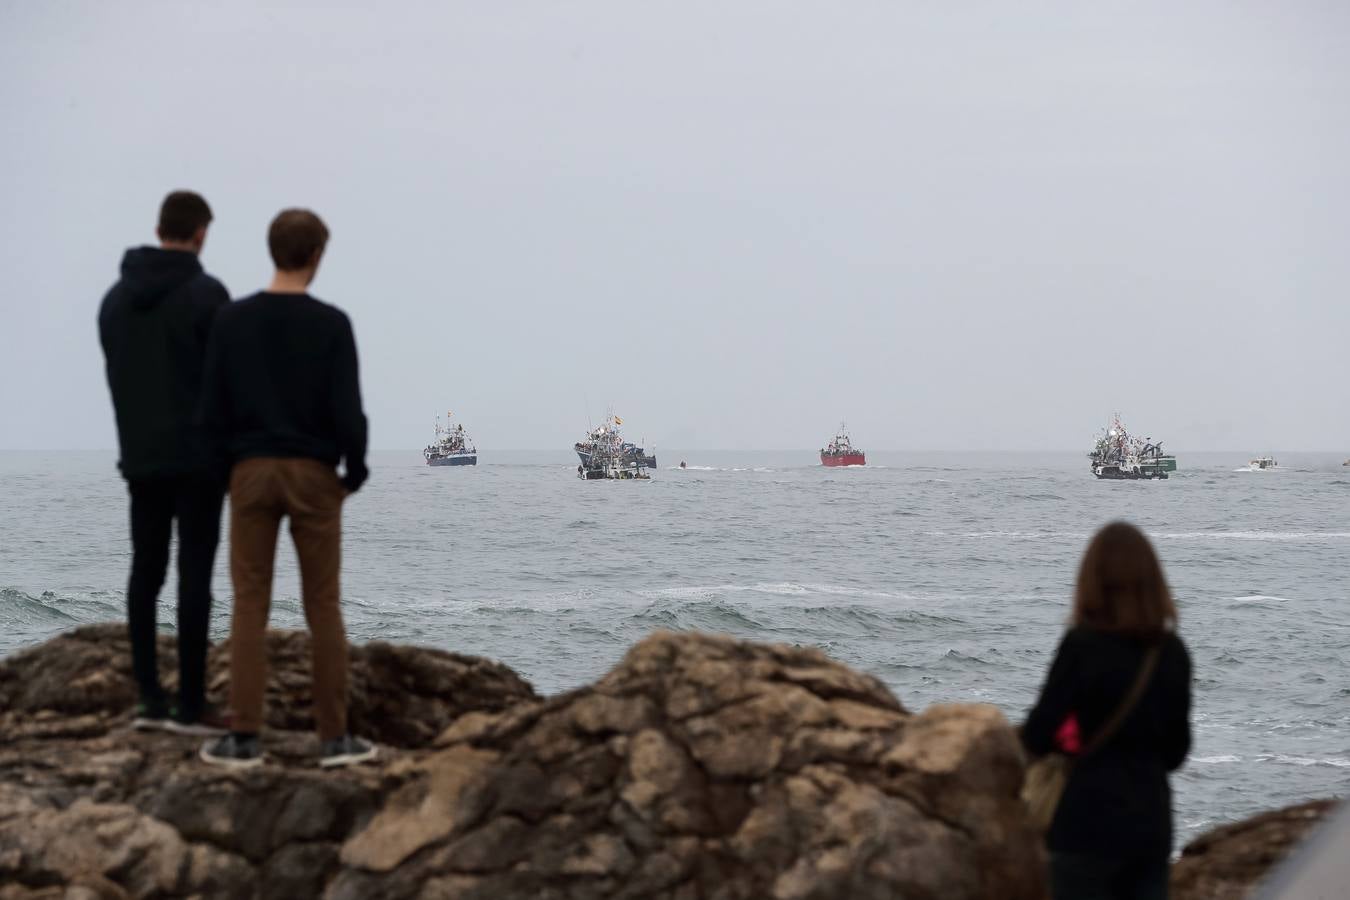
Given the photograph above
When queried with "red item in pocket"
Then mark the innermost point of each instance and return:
(1067, 737)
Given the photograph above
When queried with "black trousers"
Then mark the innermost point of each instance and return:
(155, 503)
(1079, 876)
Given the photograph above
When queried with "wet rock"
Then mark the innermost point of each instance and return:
(1229, 862)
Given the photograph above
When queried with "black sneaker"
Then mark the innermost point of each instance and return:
(151, 715)
(345, 751)
(234, 751)
(210, 722)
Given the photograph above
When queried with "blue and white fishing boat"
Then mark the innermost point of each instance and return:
(452, 446)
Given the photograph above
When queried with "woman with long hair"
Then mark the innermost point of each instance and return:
(1117, 701)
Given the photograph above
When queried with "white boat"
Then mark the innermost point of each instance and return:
(1261, 463)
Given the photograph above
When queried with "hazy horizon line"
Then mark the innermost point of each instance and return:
(808, 450)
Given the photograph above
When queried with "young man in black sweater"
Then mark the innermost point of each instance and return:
(282, 407)
(153, 325)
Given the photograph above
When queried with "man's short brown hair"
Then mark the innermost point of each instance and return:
(182, 215)
(296, 237)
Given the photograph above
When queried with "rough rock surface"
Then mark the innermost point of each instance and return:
(91, 809)
(80, 683)
(1229, 862)
(700, 767)
(703, 767)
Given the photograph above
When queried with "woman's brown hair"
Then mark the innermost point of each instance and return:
(1121, 587)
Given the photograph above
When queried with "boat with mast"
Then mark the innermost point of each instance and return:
(605, 455)
(604, 442)
(1117, 456)
(841, 452)
(452, 446)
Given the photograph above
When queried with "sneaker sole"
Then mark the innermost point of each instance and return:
(194, 729)
(226, 763)
(348, 759)
(140, 724)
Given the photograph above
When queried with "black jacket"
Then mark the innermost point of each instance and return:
(281, 380)
(1117, 801)
(154, 324)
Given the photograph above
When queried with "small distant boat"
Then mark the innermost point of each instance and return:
(682, 465)
(841, 452)
(452, 446)
(1261, 463)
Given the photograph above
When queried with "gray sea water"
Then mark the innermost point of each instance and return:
(946, 575)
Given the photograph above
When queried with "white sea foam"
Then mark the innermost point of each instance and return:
(1339, 762)
(778, 588)
(1222, 758)
(1253, 535)
(1049, 535)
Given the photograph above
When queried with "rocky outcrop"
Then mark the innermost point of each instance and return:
(80, 683)
(700, 767)
(703, 767)
(1229, 862)
(91, 807)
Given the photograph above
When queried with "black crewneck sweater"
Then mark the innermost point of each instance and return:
(281, 380)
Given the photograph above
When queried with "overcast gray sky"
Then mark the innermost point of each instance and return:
(960, 226)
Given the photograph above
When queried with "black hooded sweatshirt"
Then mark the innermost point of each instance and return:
(154, 324)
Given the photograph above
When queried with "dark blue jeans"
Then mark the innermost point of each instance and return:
(155, 504)
(1080, 876)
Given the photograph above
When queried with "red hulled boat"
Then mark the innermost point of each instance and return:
(841, 452)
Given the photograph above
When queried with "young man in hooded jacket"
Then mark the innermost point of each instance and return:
(153, 325)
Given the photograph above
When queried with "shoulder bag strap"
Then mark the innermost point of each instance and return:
(1127, 705)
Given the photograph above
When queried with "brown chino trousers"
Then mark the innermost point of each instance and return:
(262, 492)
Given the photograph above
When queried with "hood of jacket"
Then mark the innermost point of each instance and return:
(149, 274)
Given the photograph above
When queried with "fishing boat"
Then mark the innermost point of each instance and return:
(605, 443)
(841, 452)
(1261, 463)
(611, 470)
(452, 446)
(1118, 457)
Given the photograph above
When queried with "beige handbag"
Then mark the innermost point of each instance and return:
(1047, 775)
